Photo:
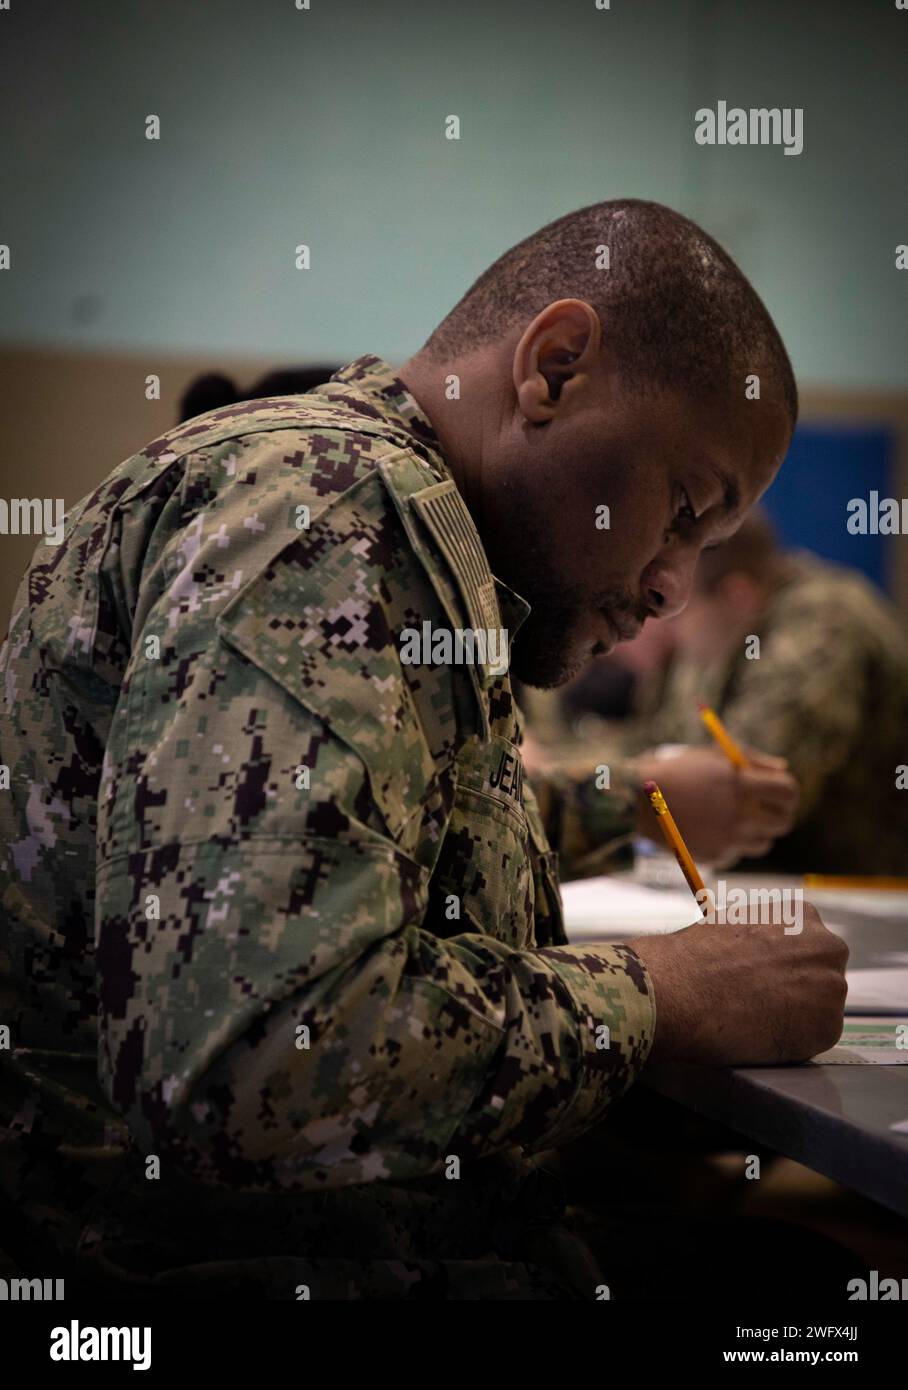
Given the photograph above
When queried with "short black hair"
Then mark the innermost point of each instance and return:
(674, 306)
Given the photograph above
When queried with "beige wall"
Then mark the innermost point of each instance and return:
(66, 419)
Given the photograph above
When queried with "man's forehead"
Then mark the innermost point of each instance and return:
(743, 472)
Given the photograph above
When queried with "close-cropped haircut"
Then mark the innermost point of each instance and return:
(674, 307)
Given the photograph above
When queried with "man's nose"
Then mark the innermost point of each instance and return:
(667, 585)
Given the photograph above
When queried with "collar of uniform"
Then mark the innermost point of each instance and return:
(372, 377)
(514, 609)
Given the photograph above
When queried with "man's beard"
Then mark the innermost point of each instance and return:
(542, 653)
(546, 652)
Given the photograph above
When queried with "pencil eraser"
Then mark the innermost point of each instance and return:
(650, 787)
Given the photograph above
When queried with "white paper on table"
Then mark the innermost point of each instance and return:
(840, 1056)
(878, 902)
(869, 990)
(876, 1041)
(612, 909)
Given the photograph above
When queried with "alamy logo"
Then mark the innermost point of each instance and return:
(876, 1290)
(769, 907)
(75, 1343)
(460, 646)
(33, 516)
(759, 125)
(873, 517)
(30, 1290)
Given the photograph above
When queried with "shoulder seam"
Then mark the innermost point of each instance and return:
(396, 440)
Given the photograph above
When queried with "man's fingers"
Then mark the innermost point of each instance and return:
(765, 820)
(767, 760)
(783, 807)
(778, 791)
(766, 813)
(768, 782)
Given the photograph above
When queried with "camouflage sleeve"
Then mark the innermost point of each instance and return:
(589, 816)
(274, 1011)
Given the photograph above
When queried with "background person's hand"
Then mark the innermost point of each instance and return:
(749, 994)
(724, 813)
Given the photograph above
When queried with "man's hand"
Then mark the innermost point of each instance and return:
(737, 995)
(723, 813)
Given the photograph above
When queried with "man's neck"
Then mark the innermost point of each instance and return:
(454, 424)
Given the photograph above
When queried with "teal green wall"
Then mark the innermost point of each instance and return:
(326, 127)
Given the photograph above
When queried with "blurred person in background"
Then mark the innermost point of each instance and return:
(214, 390)
(799, 657)
(825, 684)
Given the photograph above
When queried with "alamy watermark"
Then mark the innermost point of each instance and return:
(876, 1290)
(460, 646)
(769, 907)
(30, 1290)
(873, 516)
(758, 125)
(33, 516)
(78, 1343)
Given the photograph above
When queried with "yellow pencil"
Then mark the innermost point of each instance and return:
(672, 837)
(724, 739)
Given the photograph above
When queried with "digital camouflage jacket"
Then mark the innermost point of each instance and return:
(289, 998)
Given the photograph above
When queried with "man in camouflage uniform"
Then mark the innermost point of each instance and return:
(290, 1001)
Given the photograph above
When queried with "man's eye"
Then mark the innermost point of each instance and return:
(686, 510)
(684, 516)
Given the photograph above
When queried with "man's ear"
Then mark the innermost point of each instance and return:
(554, 360)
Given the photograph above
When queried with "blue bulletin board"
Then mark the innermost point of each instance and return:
(827, 465)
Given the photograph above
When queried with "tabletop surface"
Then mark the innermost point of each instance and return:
(834, 1119)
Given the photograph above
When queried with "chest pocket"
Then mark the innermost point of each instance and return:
(484, 869)
(548, 924)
